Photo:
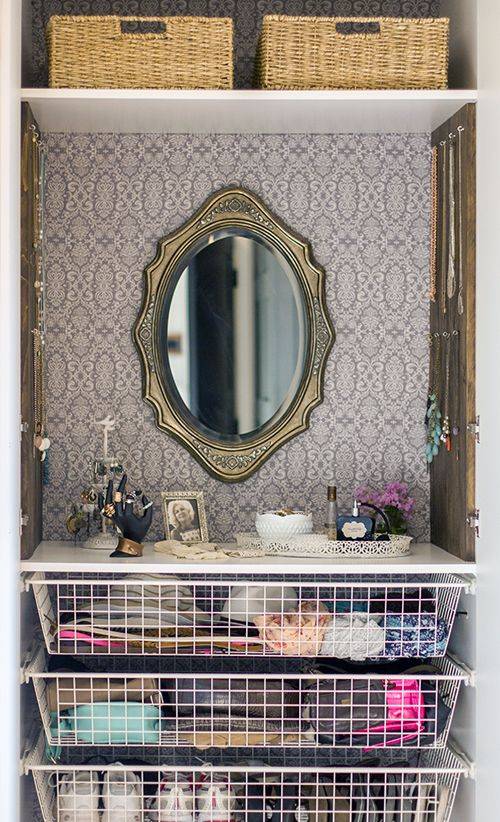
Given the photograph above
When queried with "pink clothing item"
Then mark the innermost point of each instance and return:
(297, 634)
(81, 637)
(405, 711)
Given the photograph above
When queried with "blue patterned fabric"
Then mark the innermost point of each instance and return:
(420, 635)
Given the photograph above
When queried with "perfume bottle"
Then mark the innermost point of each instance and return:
(355, 526)
(331, 512)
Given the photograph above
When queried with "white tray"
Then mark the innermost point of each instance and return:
(318, 545)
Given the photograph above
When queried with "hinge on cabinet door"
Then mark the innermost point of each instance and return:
(25, 427)
(472, 520)
(473, 428)
(23, 521)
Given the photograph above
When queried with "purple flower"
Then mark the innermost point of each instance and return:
(393, 495)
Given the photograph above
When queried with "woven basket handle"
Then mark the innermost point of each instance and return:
(164, 35)
(342, 21)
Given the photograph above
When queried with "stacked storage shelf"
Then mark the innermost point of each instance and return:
(329, 695)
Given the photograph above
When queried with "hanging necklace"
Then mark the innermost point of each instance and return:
(445, 435)
(455, 369)
(444, 245)
(450, 280)
(434, 224)
(41, 440)
(460, 302)
(433, 414)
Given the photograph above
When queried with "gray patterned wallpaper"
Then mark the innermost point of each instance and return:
(363, 201)
(247, 15)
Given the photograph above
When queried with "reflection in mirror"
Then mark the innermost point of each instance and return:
(232, 335)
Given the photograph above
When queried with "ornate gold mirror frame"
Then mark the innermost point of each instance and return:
(230, 208)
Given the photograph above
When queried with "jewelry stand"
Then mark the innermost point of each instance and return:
(104, 540)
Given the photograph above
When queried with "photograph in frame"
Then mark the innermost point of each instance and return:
(184, 516)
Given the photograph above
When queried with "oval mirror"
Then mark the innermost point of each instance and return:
(233, 334)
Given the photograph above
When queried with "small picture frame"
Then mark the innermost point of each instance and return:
(184, 516)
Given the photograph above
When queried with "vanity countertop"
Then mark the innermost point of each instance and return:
(57, 557)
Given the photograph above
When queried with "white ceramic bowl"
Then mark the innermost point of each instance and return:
(274, 526)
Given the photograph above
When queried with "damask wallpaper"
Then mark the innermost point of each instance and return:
(247, 15)
(363, 202)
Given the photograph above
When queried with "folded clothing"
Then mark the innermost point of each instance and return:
(181, 640)
(354, 636)
(109, 723)
(233, 704)
(237, 739)
(415, 635)
(295, 634)
(67, 692)
(172, 603)
(169, 603)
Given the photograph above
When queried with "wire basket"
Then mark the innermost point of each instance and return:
(250, 791)
(260, 615)
(333, 53)
(261, 710)
(140, 52)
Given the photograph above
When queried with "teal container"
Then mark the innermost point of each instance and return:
(109, 723)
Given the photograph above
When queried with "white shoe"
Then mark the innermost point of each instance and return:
(174, 801)
(215, 800)
(122, 797)
(78, 797)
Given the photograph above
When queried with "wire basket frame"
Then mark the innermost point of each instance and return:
(365, 710)
(247, 792)
(262, 615)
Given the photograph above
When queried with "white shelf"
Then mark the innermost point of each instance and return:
(243, 111)
(65, 557)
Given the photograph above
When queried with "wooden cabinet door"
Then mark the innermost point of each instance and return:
(452, 473)
(31, 466)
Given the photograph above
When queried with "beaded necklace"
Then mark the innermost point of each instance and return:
(433, 413)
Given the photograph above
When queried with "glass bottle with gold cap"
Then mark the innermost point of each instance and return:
(331, 512)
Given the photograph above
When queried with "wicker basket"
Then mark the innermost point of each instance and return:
(317, 53)
(95, 52)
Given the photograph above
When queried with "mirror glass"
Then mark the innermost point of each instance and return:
(233, 334)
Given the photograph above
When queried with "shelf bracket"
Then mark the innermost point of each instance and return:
(469, 764)
(470, 674)
(26, 577)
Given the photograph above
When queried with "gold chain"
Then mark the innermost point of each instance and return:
(460, 301)
(444, 245)
(434, 224)
(450, 279)
(39, 329)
